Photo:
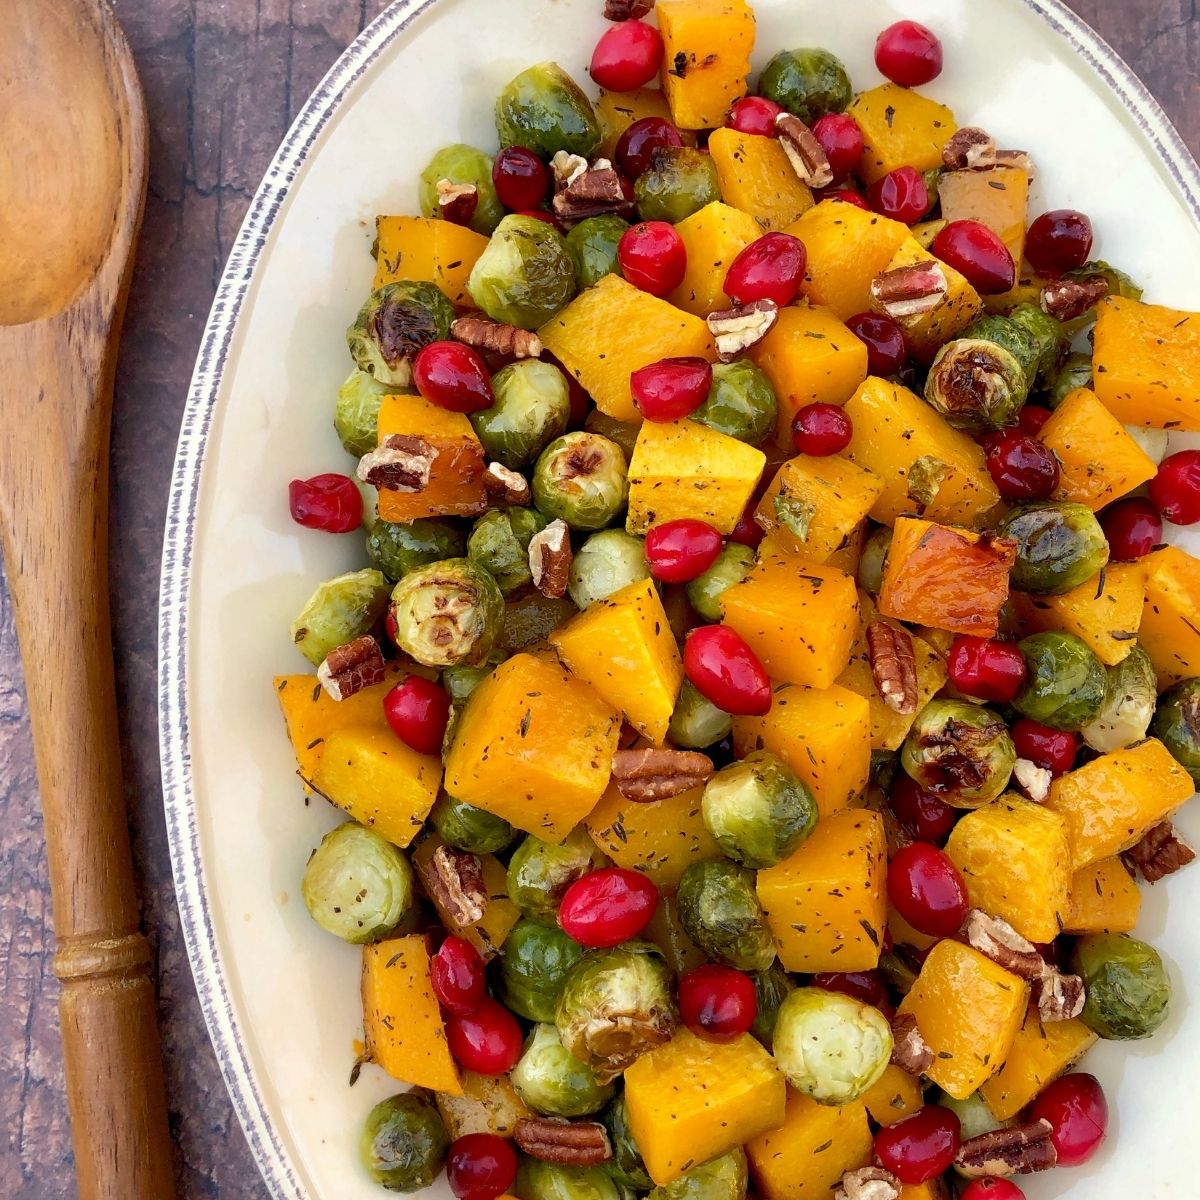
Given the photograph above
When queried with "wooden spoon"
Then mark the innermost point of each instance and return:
(72, 186)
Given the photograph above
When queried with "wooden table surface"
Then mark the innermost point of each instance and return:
(223, 80)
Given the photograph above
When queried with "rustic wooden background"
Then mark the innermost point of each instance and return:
(223, 80)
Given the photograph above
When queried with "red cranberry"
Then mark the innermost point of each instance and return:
(901, 195)
(1053, 750)
(717, 1002)
(652, 257)
(820, 430)
(747, 532)
(842, 140)
(1059, 241)
(992, 1189)
(487, 1041)
(926, 816)
(457, 974)
(771, 268)
(678, 551)
(453, 376)
(481, 1166)
(1032, 418)
(607, 907)
(539, 214)
(847, 196)
(920, 1147)
(754, 114)
(926, 889)
(1021, 467)
(725, 671)
(331, 503)
(1078, 1112)
(977, 253)
(909, 54)
(1176, 488)
(986, 669)
(866, 986)
(884, 340)
(418, 711)
(671, 388)
(1133, 528)
(627, 56)
(636, 146)
(520, 178)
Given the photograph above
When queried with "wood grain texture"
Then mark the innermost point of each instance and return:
(223, 79)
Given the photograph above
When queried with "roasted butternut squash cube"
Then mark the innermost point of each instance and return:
(1039, 1055)
(455, 486)
(968, 1010)
(691, 1100)
(848, 556)
(894, 1096)
(931, 1189)
(706, 58)
(901, 128)
(500, 914)
(616, 111)
(755, 176)
(912, 449)
(667, 933)
(951, 579)
(826, 903)
(1147, 363)
(684, 469)
(1104, 898)
(428, 250)
(800, 619)
(1112, 802)
(1028, 290)
(713, 238)
(821, 733)
(926, 231)
(534, 745)
(997, 198)
(488, 1104)
(611, 330)
(404, 1032)
(1015, 859)
(903, 934)
(1170, 629)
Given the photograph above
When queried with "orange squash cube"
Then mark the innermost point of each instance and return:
(706, 58)
(1170, 629)
(894, 1096)
(488, 1104)
(616, 111)
(713, 238)
(997, 198)
(1104, 898)
(429, 250)
(901, 128)
(755, 176)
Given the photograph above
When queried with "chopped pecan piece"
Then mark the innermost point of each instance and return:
(804, 152)
(588, 192)
(495, 337)
(505, 484)
(971, 147)
(550, 559)
(1160, 853)
(567, 167)
(401, 464)
(626, 10)
(910, 1050)
(570, 1143)
(893, 666)
(652, 774)
(1034, 780)
(454, 880)
(868, 1183)
(910, 291)
(999, 941)
(1058, 997)
(1018, 1150)
(737, 329)
(457, 202)
(352, 667)
(1067, 299)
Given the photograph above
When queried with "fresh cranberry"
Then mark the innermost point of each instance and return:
(1021, 467)
(884, 340)
(717, 1002)
(1078, 1114)
(926, 816)
(331, 503)
(771, 268)
(1133, 528)
(457, 974)
(1059, 241)
(754, 114)
(678, 551)
(992, 1189)
(847, 196)
(977, 253)
(747, 532)
(520, 178)
(820, 430)
(901, 195)
(453, 376)
(1176, 488)
(671, 388)
(986, 669)
(1032, 418)
(653, 257)
(920, 1147)
(608, 907)
(636, 146)
(842, 140)
(726, 672)
(481, 1166)
(539, 214)
(1053, 750)
(627, 56)
(909, 54)
(486, 1041)
(866, 986)
(417, 710)
(926, 889)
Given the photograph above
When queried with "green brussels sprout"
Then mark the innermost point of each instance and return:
(720, 912)
(741, 402)
(1130, 693)
(977, 385)
(830, 1046)
(340, 610)
(1177, 725)
(593, 246)
(534, 963)
(396, 321)
(538, 1180)
(1066, 683)
(539, 872)
(1012, 336)
(551, 1080)
(974, 1116)
(960, 752)
(771, 989)
(396, 549)
(623, 433)
(403, 1142)
(1059, 546)
(581, 478)
(448, 613)
(468, 828)
(462, 164)
(606, 562)
(1128, 989)
(616, 1005)
(680, 181)
(758, 810)
(356, 414)
(1119, 284)
(626, 1165)
(696, 722)
(499, 543)
(871, 561)
(533, 405)
(731, 566)
(357, 885)
(1049, 335)
(809, 83)
(1074, 373)
(525, 273)
(545, 110)
(724, 1178)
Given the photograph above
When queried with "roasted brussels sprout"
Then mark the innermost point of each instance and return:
(758, 810)
(724, 1178)
(1020, 341)
(397, 548)
(1128, 989)
(533, 405)
(681, 180)
(548, 1181)
(830, 1046)
(771, 988)
(606, 562)
(1074, 373)
(974, 1116)
(581, 477)
(499, 543)
(462, 164)
(624, 433)
(1047, 333)
(356, 414)
(525, 274)
(396, 321)
(551, 1080)
(403, 1143)
(626, 1165)
(960, 752)
(1059, 546)
(720, 912)
(978, 386)
(539, 872)
(872, 559)
(448, 613)
(533, 968)
(340, 610)
(697, 722)
(468, 828)
(809, 83)
(1119, 284)
(741, 402)
(545, 110)
(593, 246)
(1066, 682)
(1177, 725)
(1130, 693)
(731, 566)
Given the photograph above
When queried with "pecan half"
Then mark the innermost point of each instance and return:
(970, 147)
(804, 152)
(401, 464)
(550, 559)
(569, 1143)
(457, 202)
(1034, 780)
(893, 665)
(495, 337)
(505, 484)
(651, 774)
(999, 941)
(910, 1050)
(1160, 853)
(868, 1183)
(352, 667)
(454, 880)
(582, 192)
(1067, 299)
(1018, 1150)
(910, 291)
(626, 10)
(737, 329)
(1058, 997)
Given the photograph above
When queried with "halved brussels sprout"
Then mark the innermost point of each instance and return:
(606, 562)
(1127, 986)
(468, 828)
(593, 246)
(1074, 373)
(697, 722)
(771, 989)
(538, 1180)
(356, 414)
(525, 274)
(540, 872)
(624, 433)
(809, 83)
(731, 566)
(1177, 725)
(462, 164)
(404, 1142)
(741, 402)
(448, 613)
(397, 321)
(626, 1165)
(533, 405)
(960, 752)
(581, 477)
(340, 610)
(1066, 684)
(872, 559)
(1020, 341)
(1048, 333)
(551, 1080)
(1130, 693)
(397, 548)
(499, 543)
(1059, 546)
(680, 181)
(720, 912)
(545, 110)
(534, 963)
(978, 386)
(724, 1178)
